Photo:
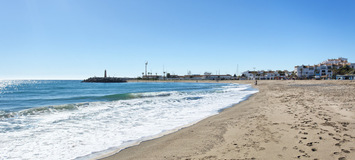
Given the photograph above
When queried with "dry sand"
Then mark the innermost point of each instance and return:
(285, 120)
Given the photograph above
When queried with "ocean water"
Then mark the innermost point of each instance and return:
(74, 120)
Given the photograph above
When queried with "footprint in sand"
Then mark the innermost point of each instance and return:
(309, 144)
(344, 124)
(338, 139)
(345, 151)
(306, 155)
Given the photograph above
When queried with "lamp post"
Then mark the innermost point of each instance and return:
(254, 74)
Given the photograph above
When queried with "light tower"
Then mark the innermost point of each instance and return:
(105, 75)
(146, 64)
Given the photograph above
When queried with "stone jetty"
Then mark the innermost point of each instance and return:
(104, 79)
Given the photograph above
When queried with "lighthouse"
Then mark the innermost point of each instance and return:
(105, 79)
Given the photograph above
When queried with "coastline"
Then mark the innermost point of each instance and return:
(284, 120)
(112, 152)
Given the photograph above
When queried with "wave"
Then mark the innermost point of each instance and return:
(127, 96)
(41, 110)
(75, 103)
(109, 98)
(112, 97)
(75, 106)
(115, 119)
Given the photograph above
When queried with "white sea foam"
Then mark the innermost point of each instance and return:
(99, 126)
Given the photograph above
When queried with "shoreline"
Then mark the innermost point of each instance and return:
(112, 152)
(284, 120)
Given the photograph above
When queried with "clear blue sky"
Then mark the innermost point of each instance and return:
(76, 39)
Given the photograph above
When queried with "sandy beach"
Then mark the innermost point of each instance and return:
(284, 120)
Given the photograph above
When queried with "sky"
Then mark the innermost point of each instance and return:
(77, 39)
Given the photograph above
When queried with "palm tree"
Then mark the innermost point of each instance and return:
(301, 72)
(335, 72)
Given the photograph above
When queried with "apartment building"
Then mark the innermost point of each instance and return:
(321, 70)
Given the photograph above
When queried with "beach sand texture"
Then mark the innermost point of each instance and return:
(285, 120)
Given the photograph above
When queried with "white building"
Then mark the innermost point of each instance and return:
(307, 71)
(205, 77)
(345, 77)
(267, 75)
(219, 77)
(335, 61)
(271, 75)
(250, 75)
(193, 77)
(322, 70)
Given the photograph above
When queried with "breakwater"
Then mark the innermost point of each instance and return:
(104, 80)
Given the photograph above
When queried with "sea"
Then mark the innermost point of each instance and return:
(67, 119)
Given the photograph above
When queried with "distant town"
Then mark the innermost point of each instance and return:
(339, 69)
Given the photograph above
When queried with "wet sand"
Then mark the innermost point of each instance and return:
(285, 120)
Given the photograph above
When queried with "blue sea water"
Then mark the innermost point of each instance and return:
(72, 120)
